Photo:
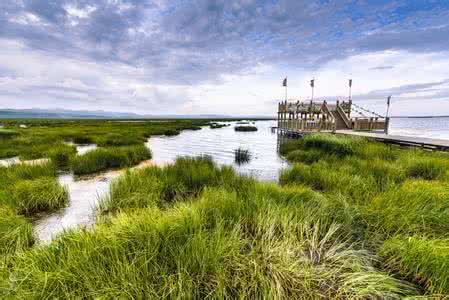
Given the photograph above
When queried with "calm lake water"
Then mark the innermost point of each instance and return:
(220, 144)
(437, 128)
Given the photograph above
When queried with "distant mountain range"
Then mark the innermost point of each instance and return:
(35, 113)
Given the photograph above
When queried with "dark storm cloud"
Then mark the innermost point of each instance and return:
(195, 41)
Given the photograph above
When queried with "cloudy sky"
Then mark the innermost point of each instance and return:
(222, 56)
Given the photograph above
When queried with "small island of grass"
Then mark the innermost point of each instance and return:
(245, 128)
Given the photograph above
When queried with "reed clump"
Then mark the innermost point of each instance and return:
(154, 186)
(82, 139)
(109, 158)
(15, 232)
(241, 156)
(414, 207)
(218, 125)
(61, 155)
(426, 167)
(117, 139)
(172, 132)
(245, 128)
(421, 259)
(40, 195)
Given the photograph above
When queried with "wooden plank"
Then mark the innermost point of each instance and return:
(399, 139)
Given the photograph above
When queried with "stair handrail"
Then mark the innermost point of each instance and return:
(343, 115)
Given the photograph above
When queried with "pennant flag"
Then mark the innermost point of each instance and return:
(284, 83)
(350, 82)
(388, 100)
(312, 82)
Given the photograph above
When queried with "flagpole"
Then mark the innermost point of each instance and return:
(313, 86)
(350, 89)
(387, 118)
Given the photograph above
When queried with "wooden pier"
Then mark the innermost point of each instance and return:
(410, 141)
(314, 116)
(295, 119)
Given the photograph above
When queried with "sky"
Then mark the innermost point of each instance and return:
(223, 56)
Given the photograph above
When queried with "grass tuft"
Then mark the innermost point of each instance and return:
(415, 207)
(245, 128)
(109, 158)
(61, 155)
(40, 195)
(427, 167)
(422, 259)
(241, 156)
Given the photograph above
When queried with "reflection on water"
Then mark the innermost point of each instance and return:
(84, 194)
(82, 148)
(265, 162)
(6, 162)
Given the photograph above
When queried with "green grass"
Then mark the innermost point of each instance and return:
(102, 159)
(241, 156)
(40, 195)
(116, 139)
(171, 132)
(423, 260)
(217, 125)
(245, 128)
(7, 134)
(426, 167)
(61, 155)
(15, 232)
(217, 244)
(414, 207)
(350, 219)
(42, 135)
(154, 186)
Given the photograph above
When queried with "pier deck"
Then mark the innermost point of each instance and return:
(428, 143)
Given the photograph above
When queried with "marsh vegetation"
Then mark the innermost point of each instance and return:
(246, 128)
(349, 219)
(241, 156)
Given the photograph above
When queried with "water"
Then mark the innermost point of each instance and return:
(220, 144)
(437, 128)
(82, 148)
(84, 195)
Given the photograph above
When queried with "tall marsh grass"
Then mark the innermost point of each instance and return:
(423, 260)
(216, 246)
(109, 158)
(61, 155)
(415, 207)
(39, 195)
(245, 128)
(15, 232)
(241, 156)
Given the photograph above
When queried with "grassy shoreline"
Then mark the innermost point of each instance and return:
(349, 219)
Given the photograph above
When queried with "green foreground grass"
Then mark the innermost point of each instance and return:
(195, 230)
(351, 219)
